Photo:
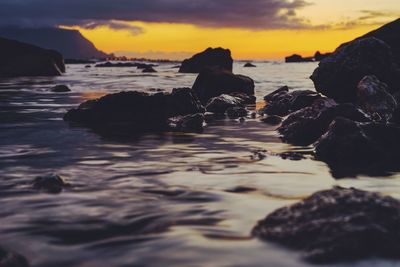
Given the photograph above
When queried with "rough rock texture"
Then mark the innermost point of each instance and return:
(221, 103)
(135, 111)
(282, 102)
(52, 183)
(211, 57)
(20, 59)
(337, 225)
(60, 89)
(11, 259)
(373, 98)
(212, 82)
(189, 123)
(337, 76)
(305, 126)
(349, 147)
(236, 112)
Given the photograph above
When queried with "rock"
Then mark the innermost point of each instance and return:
(149, 70)
(374, 99)
(258, 155)
(241, 189)
(246, 99)
(295, 156)
(211, 57)
(236, 112)
(212, 82)
(282, 102)
(350, 147)
(307, 125)
(188, 123)
(319, 56)
(297, 58)
(135, 111)
(144, 65)
(116, 65)
(72, 61)
(50, 183)
(60, 89)
(221, 103)
(337, 225)
(20, 59)
(11, 259)
(338, 75)
(88, 66)
(249, 65)
(272, 120)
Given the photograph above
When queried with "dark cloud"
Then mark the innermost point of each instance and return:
(254, 14)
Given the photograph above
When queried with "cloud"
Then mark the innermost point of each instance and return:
(251, 14)
(367, 18)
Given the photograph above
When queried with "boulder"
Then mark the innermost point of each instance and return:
(236, 112)
(221, 103)
(337, 225)
(212, 82)
(11, 259)
(338, 75)
(60, 89)
(20, 59)
(297, 59)
(211, 57)
(52, 183)
(249, 65)
(318, 56)
(307, 125)
(149, 70)
(135, 111)
(189, 123)
(272, 120)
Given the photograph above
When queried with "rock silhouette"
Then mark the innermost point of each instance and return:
(211, 57)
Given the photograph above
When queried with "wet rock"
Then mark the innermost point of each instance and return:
(144, 66)
(189, 123)
(52, 183)
(236, 112)
(292, 156)
(11, 259)
(338, 75)
(373, 98)
(350, 147)
(88, 66)
(297, 59)
(213, 82)
(149, 70)
(245, 99)
(249, 65)
(241, 189)
(21, 59)
(337, 225)
(272, 120)
(135, 111)
(60, 89)
(221, 103)
(258, 155)
(211, 57)
(307, 125)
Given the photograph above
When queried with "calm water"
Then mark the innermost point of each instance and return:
(153, 200)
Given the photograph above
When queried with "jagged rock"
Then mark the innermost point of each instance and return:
(212, 82)
(11, 259)
(135, 111)
(337, 76)
(373, 98)
(297, 59)
(211, 57)
(221, 103)
(305, 126)
(318, 56)
(189, 123)
(60, 89)
(236, 112)
(249, 65)
(337, 225)
(52, 183)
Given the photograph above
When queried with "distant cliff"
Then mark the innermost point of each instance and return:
(70, 43)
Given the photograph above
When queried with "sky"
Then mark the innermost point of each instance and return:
(175, 29)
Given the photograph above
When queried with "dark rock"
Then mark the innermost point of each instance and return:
(320, 56)
(305, 126)
(277, 94)
(60, 89)
(50, 183)
(149, 70)
(212, 82)
(337, 225)
(350, 147)
(88, 66)
(11, 259)
(272, 120)
(71, 61)
(211, 57)
(135, 111)
(258, 155)
(374, 99)
(337, 76)
(246, 99)
(236, 112)
(20, 59)
(295, 156)
(116, 65)
(189, 123)
(144, 65)
(297, 59)
(241, 189)
(221, 103)
(249, 65)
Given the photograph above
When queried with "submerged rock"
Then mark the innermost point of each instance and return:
(213, 82)
(149, 70)
(60, 89)
(211, 57)
(135, 111)
(52, 183)
(337, 225)
(21, 59)
(249, 65)
(189, 123)
(221, 103)
(338, 75)
(11, 259)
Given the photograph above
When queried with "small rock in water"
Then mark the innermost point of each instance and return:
(88, 66)
(337, 225)
(52, 183)
(272, 120)
(60, 89)
(249, 65)
(11, 259)
(188, 123)
(221, 103)
(241, 189)
(292, 156)
(149, 70)
(258, 155)
(236, 112)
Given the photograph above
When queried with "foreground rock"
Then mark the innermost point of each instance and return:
(50, 183)
(221, 103)
(337, 225)
(297, 59)
(213, 82)
(338, 75)
(189, 123)
(135, 111)
(350, 147)
(211, 57)
(307, 125)
(20, 59)
(11, 259)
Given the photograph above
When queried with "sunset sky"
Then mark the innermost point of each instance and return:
(252, 29)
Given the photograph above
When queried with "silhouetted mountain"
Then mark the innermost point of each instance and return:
(70, 43)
